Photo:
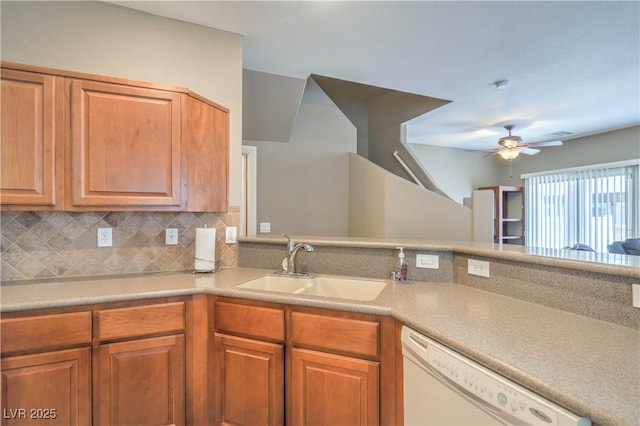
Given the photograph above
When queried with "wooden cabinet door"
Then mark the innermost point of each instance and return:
(329, 389)
(125, 147)
(50, 388)
(28, 141)
(140, 382)
(206, 148)
(249, 378)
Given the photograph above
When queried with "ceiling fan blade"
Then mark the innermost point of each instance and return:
(543, 144)
(530, 151)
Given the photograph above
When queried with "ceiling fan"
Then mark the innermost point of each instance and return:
(511, 146)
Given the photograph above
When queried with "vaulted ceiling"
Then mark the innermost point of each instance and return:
(572, 66)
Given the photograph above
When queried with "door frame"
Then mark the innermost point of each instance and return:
(249, 199)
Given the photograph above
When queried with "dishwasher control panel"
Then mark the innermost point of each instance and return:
(483, 387)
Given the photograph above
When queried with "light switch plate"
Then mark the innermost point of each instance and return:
(427, 261)
(265, 227)
(171, 237)
(635, 289)
(478, 267)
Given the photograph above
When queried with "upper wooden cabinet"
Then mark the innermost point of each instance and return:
(82, 142)
(206, 146)
(125, 146)
(29, 143)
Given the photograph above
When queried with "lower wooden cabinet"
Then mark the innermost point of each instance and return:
(332, 371)
(52, 388)
(218, 361)
(329, 389)
(249, 381)
(140, 382)
(127, 363)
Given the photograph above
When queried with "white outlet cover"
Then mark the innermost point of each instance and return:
(231, 234)
(105, 237)
(171, 237)
(635, 290)
(427, 261)
(478, 267)
(265, 227)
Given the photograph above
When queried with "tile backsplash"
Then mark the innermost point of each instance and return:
(64, 244)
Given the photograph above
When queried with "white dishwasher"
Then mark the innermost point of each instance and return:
(443, 388)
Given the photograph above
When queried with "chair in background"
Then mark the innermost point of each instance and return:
(579, 246)
(629, 246)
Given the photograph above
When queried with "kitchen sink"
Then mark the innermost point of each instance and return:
(338, 287)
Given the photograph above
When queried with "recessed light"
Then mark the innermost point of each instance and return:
(560, 134)
(501, 84)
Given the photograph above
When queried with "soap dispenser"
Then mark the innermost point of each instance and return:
(401, 270)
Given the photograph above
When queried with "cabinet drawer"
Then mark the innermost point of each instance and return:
(335, 334)
(45, 331)
(141, 320)
(255, 321)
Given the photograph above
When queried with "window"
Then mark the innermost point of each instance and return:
(588, 205)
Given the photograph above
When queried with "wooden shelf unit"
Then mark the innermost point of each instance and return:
(509, 214)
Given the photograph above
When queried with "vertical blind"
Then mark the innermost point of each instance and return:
(592, 205)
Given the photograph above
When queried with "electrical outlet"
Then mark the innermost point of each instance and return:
(265, 227)
(105, 237)
(171, 237)
(231, 233)
(635, 290)
(427, 261)
(478, 267)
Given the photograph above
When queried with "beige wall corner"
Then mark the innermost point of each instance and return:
(384, 205)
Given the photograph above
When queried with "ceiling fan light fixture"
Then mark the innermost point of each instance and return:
(510, 141)
(509, 153)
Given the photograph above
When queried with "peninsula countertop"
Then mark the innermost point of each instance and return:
(589, 366)
(606, 263)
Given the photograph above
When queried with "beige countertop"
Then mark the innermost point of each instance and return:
(590, 366)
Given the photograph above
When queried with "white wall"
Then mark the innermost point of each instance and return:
(101, 38)
(457, 172)
(396, 208)
(303, 185)
(366, 199)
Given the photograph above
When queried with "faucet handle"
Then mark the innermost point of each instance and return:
(290, 243)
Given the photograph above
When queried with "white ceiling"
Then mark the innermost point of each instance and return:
(573, 66)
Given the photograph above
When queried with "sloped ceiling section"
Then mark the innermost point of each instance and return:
(374, 109)
(270, 105)
(379, 115)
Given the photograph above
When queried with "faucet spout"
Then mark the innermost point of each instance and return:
(292, 251)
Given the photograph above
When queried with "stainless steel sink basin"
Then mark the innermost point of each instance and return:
(338, 287)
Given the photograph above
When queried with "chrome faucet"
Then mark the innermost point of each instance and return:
(292, 250)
